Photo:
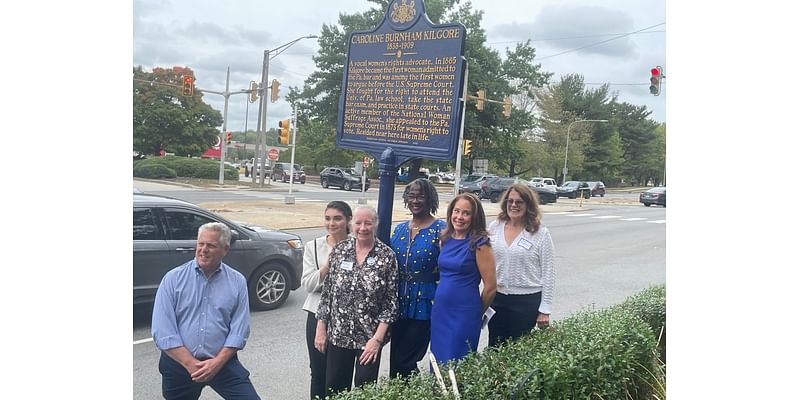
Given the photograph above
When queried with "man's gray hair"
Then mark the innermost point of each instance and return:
(222, 229)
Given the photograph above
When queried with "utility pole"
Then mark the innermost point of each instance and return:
(222, 149)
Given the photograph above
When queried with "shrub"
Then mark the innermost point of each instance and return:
(607, 354)
(185, 167)
(153, 171)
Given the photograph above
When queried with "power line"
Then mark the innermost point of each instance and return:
(600, 42)
(575, 37)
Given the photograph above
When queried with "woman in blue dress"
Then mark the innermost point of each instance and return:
(465, 260)
(416, 247)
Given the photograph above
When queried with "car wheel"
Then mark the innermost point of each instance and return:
(303, 182)
(494, 197)
(347, 186)
(268, 287)
(324, 183)
(602, 195)
(647, 204)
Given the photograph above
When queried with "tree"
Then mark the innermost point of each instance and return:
(163, 118)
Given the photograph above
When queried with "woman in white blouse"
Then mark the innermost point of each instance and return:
(315, 266)
(524, 256)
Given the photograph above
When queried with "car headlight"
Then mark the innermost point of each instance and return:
(295, 243)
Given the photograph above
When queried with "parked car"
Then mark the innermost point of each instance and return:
(165, 236)
(597, 188)
(471, 183)
(344, 178)
(494, 188)
(656, 195)
(280, 172)
(255, 165)
(571, 189)
(544, 182)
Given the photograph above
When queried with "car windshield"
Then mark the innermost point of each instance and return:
(658, 190)
(571, 184)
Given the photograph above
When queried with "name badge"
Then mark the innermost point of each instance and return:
(347, 265)
(525, 244)
(370, 261)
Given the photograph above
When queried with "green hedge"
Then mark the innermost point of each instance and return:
(153, 171)
(185, 167)
(606, 354)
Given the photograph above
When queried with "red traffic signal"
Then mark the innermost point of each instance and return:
(188, 85)
(655, 80)
(228, 138)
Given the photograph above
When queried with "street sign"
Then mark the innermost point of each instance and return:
(402, 86)
(273, 153)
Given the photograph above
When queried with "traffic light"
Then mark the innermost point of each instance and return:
(284, 131)
(275, 90)
(253, 91)
(481, 104)
(655, 80)
(467, 147)
(188, 85)
(507, 107)
(228, 138)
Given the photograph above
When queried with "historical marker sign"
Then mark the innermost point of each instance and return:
(402, 85)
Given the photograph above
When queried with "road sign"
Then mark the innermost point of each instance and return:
(273, 153)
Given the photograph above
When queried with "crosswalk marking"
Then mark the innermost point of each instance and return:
(633, 219)
(580, 215)
(608, 216)
(660, 221)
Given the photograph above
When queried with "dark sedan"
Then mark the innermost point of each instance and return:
(494, 188)
(165, 236)
(572, 189)
(656, 195)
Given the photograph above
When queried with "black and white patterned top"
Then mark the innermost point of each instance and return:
(357, 297)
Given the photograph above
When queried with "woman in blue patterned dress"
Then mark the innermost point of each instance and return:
(465, 260)
(416, 247)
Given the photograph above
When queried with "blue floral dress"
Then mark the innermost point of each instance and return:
(417, 262)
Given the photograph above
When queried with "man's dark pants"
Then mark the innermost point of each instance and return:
(232, 382)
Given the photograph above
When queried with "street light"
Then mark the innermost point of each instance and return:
(261, 141)
(566, 152)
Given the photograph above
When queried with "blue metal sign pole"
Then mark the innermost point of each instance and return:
(387, 172)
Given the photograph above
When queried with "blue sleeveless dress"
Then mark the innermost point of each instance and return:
(456, 314)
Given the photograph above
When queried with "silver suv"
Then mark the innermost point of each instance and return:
(165, 234)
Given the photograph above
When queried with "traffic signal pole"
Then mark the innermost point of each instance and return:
(461, 130)
(290, 199)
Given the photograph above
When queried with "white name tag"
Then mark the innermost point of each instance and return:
(525, 244)
(347, 265)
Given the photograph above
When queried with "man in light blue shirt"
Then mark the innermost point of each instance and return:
(201, 318)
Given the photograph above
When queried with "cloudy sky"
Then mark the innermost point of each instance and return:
(615, 41)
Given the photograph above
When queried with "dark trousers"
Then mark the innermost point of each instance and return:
(232, 382)
(316, 360)
(410, 339)
(339, 370)
(515, 315)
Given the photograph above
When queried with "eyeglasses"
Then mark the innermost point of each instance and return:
(415, 197)
(513, 202)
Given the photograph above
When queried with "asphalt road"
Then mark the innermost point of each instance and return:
(602, 256)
